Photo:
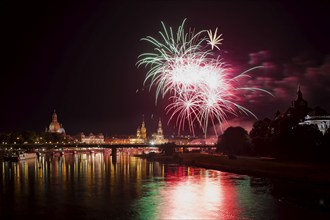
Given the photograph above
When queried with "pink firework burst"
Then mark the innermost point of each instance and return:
(200, 87)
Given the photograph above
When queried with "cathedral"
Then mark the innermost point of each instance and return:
(142, 132)
(158, 138)
(141, 135)
(55, 126)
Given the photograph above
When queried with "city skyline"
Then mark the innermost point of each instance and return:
(80, 59)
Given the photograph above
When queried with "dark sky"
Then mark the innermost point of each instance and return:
(80, 58)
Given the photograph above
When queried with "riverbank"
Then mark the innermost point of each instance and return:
(254, 166)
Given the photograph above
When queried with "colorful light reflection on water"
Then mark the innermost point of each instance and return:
(96, 186)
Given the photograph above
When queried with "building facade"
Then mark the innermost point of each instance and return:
(322, 122)
(91, 138)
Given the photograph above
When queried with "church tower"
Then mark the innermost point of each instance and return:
(138, 133)
(143, 131)
(299, 102)
(299, 107)
(160, 129)
(158, 138)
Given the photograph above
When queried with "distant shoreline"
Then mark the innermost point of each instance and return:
(254, 166)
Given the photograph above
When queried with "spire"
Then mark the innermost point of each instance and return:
(138, 133)
(299, 102)
(143, 124)
(143, 129)
(54, 116)
(160, 129)
(159, 123)
(299, 94)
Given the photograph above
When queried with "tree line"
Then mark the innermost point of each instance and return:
(31, 137)
(280, 138)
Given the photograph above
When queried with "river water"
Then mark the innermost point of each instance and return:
(97, 186)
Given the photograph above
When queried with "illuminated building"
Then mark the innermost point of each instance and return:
(300, 114)
(55, 126)
(134, 140)
(158, 138)
(118, 139)
(141, 135)
(308, 116)
(91, 138)
(321, 121)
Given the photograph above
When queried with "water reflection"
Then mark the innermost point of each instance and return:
(99, 186)
(196, 195)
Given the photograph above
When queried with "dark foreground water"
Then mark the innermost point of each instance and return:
(87, 186)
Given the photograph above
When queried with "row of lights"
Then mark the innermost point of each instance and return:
(37, 142)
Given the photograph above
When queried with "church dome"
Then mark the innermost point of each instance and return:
(54, 126)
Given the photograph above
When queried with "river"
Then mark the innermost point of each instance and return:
(97, 186)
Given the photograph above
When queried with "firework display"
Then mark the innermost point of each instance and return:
(201, 88)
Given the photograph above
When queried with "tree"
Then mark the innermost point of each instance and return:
(303, 143)
(16, 137)
(168, 149)
(48, 137)
(260, 128)
(324, 150)
(58, 138)
(4, 138)
(235, 140)
(279, 129)
(29, 136)
(259, 136)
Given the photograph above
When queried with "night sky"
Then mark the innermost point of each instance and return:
(80, 59)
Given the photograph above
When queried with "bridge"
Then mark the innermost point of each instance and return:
(95, 145)
(72, 145)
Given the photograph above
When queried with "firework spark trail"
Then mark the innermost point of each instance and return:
(201, 88)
